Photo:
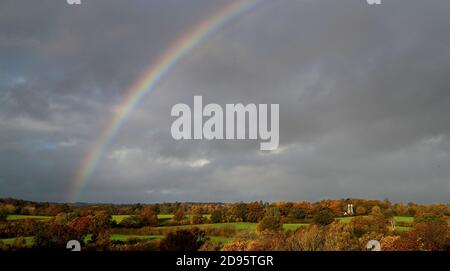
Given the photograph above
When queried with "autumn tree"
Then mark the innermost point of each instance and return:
(432, 231)
(324, 217)
(216, 216)
(132, 221)
(239, 212)
(359, 225)
(339, 237)
(82, 224)
(149, 217)
(179, 215)
(197, 215)
(54, 236)
(271, 223)
(3, 215)
(255, 212)
(101, 221)
(184, 240)
(377, 220)
(361, 210)
(296, 213)
(307, 239)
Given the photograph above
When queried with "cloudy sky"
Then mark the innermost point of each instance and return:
(364, 94)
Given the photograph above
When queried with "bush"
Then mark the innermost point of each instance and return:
(296, 213)
(271, 223)
(226, 231)
(149, 217)
(431, 231)
(360, 210)
(307, 239)
(211, 246)
(359, 225)
(133, 221)
(52, 235)
(3, 215)
(324, 217)
(179, 215)
(141, 245)
(197, 219)
(184, 240)
(216, 216)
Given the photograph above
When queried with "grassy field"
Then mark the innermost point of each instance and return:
(37, 217)
(119, 218)
(222, 239)
(161, 217)
(402, 229)
(125, 237)
(9, 241)
(239, 226)
(408, 219)
(293, 227)
(236, 225)
(346, 219)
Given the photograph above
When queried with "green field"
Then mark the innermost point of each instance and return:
(37, 217)
(346, 219)
(222, 239)
(9, 241)
(293, 227)
(161, 217)
(119, 218)
(402, 229)
(125, 237)
(408, 219)
(239, 226)
(236, 225)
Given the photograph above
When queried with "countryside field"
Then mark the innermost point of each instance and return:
(238, 226)
(322, 225)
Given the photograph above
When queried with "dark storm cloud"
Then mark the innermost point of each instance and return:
(363, 94)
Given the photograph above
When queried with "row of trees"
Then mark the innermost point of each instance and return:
(250, 212)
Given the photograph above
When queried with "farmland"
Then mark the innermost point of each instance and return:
(237, 226)
(221, 226)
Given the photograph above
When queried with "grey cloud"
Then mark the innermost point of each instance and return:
(363, 94)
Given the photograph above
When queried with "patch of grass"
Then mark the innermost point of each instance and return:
(125, 237)
(18, 217)
(119, 218)
(345, 219)
(402, 228)
(10, 241)
(222, 239)
(165, 216)
(237, 225)
(408, 219)
(161, 217)
(293, 227)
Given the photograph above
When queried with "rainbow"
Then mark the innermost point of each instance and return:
(148, 82)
